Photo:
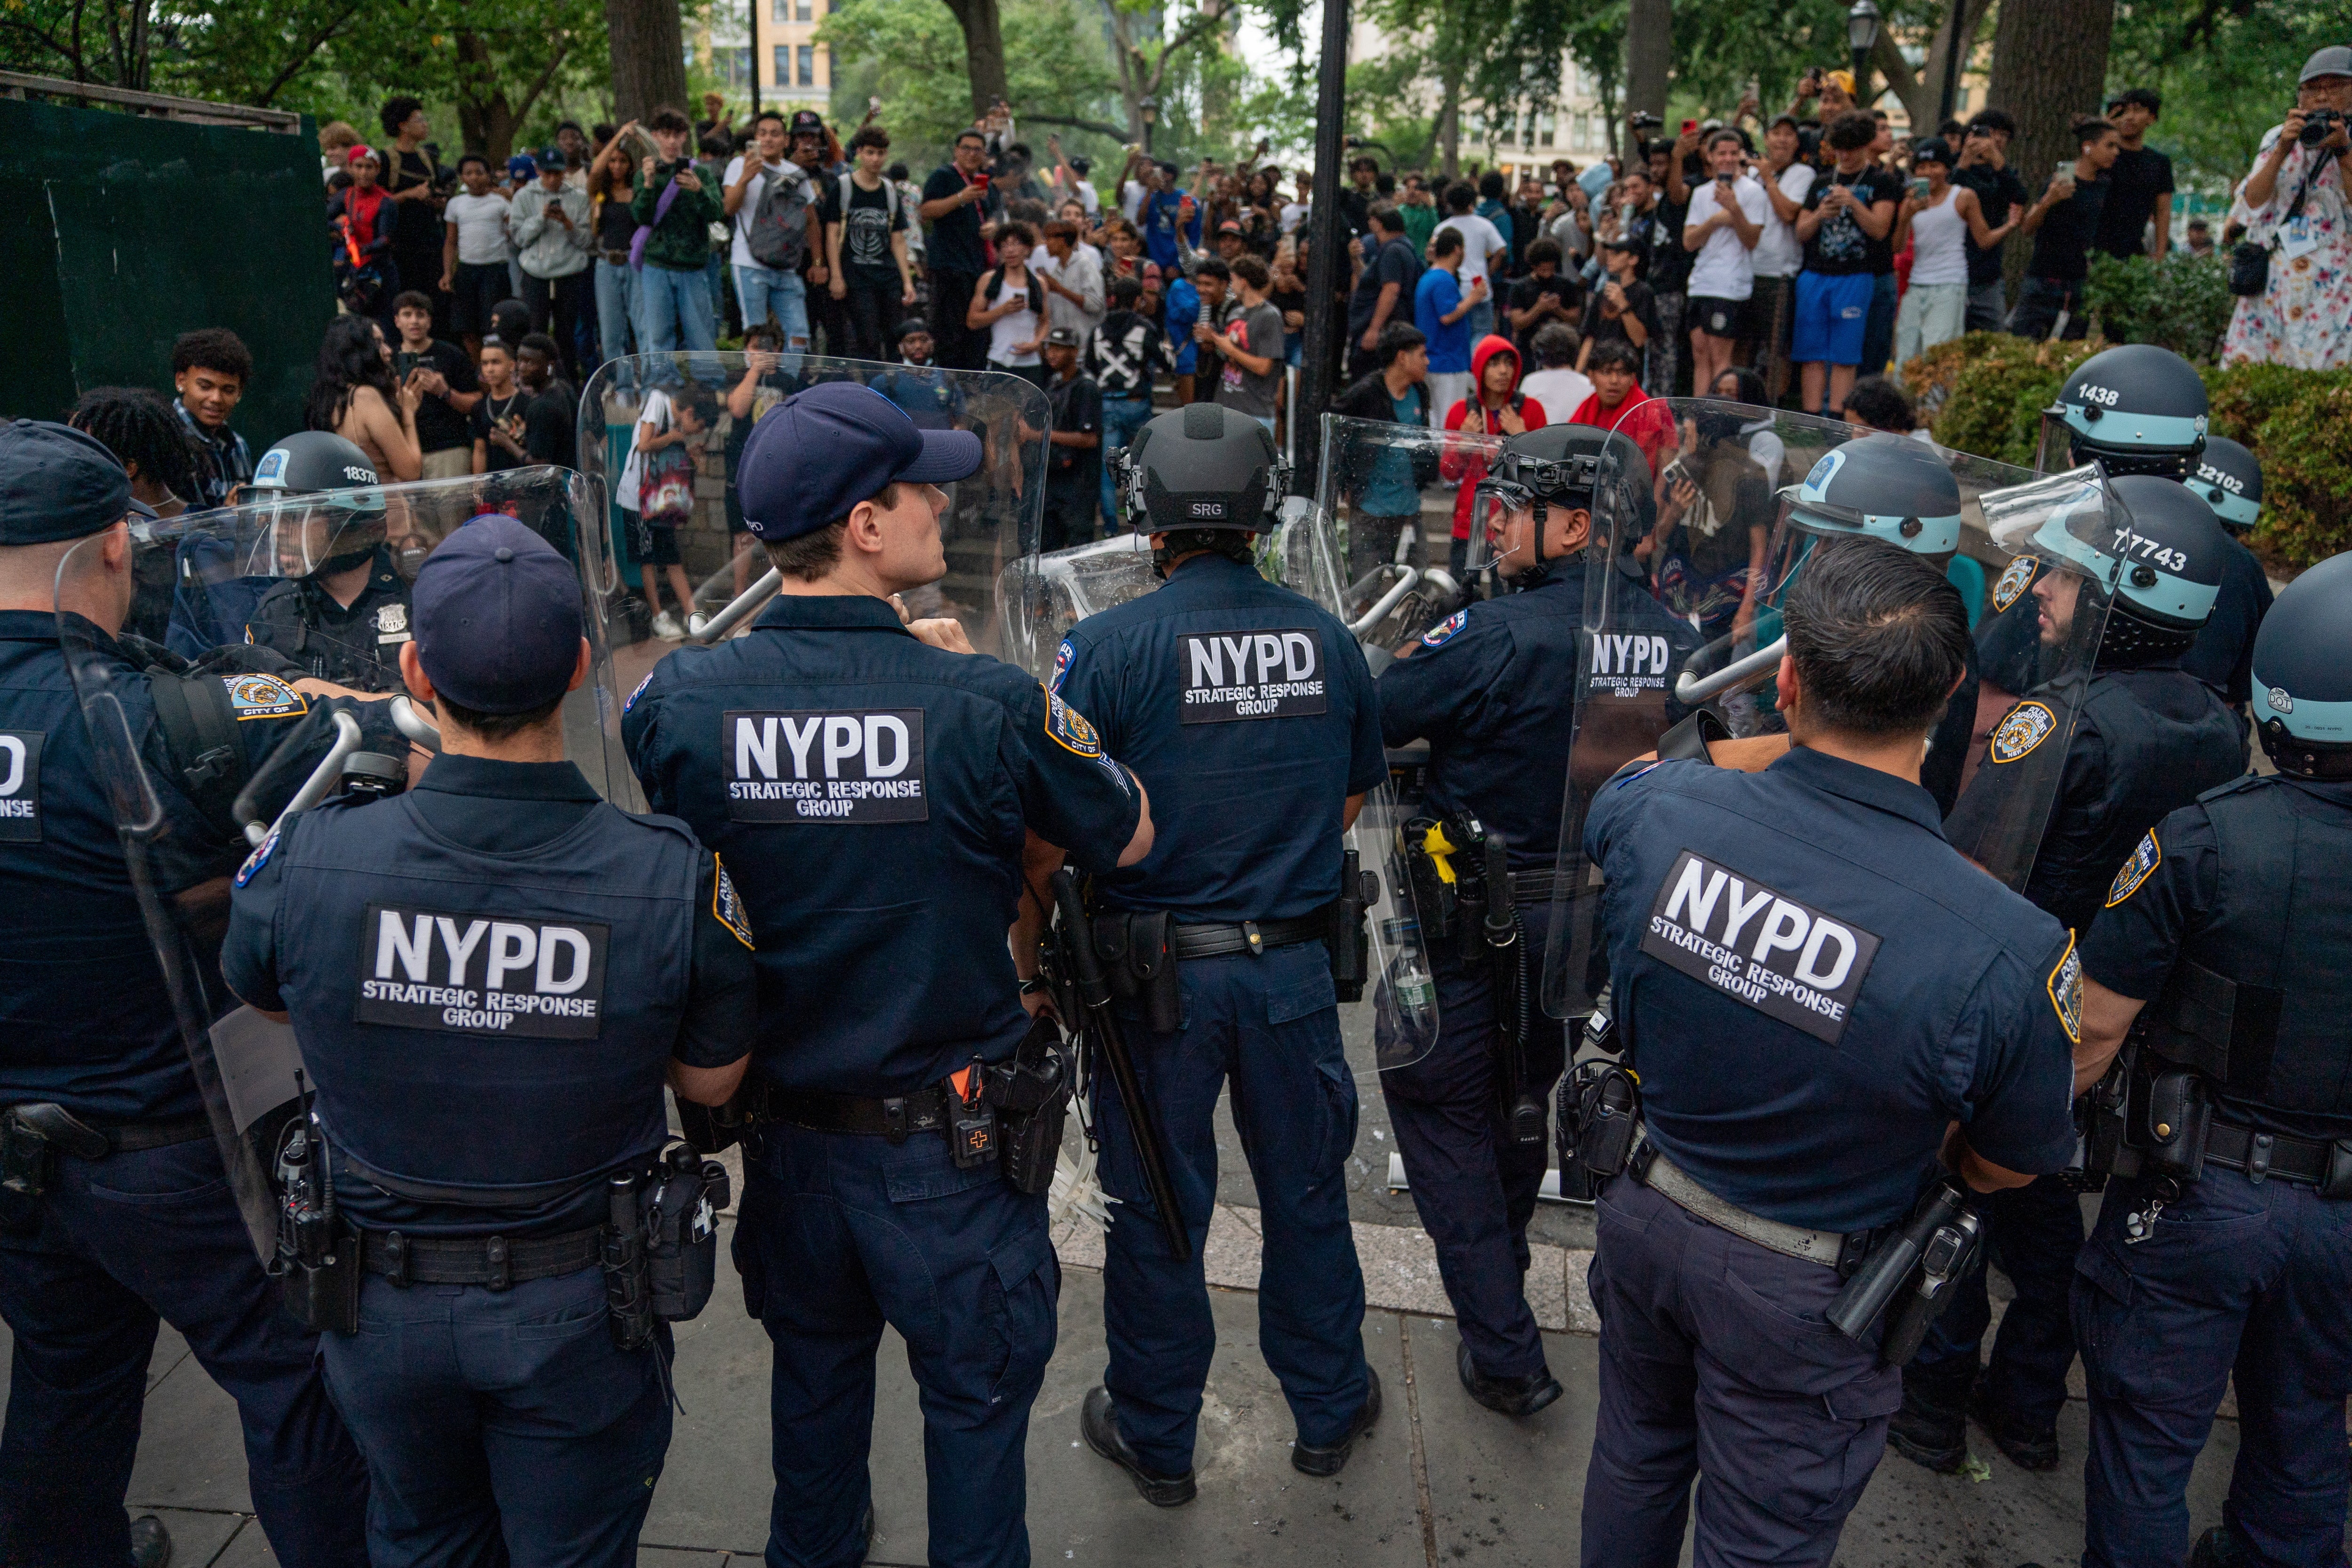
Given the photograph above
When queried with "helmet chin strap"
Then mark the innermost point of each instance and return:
(1538, 568)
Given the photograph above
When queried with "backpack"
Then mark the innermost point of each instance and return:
(777, 235)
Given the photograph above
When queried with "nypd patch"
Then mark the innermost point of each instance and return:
(2143, 863)
(1070, 729)
(258, 859)
(2015, 581)
(2066, 987)
(1062, 657)
(640, 691)
(2026, 727)
(1446, 630)
(262, 696)
(2280, 700)
(728, 907)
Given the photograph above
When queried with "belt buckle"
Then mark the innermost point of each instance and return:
(501, 1264)
(1250, 935)
(395, 1253)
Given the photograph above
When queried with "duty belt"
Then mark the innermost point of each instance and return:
(1841, 1251)
(496, 1261)
(96, 1141)
(1250, 936)
(2262, 1155)
(925, 1110)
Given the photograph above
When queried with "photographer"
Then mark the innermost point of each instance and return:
(2297, 209)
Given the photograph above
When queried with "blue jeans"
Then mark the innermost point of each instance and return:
(1481, 321)
(1121, 418)
(501, 1427)
(674, 306)
(118, 1244)
(841, 1233)
(2237, 1279)
(1271, 1026)
(617, 308)
(768, 295)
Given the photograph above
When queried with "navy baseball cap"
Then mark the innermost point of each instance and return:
(824, 450)
(497, 616)
(58, 483)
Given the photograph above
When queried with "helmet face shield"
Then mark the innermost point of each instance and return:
(304, 533)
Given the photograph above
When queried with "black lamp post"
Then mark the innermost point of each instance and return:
(1149, 110)
(1862, 37)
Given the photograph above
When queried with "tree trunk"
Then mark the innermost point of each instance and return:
(648, 51)
(1649, 57)
(1923, 95)
(1449, 121)
(2049, 64)
(984, 50)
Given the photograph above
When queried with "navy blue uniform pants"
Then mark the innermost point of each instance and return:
(118, 1246)
(840, 1233)
(2238, 1278)
(2034, 1233)
(502, 1428)
(1716, 1361)
(1268, 1024)
(1476, 1193)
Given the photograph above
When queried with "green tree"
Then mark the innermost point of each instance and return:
(2226, 70)
(911, 54)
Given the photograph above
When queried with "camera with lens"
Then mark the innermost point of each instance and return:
(2319, 125)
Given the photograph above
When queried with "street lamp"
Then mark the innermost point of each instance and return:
(1862, 37)
(1149, 110)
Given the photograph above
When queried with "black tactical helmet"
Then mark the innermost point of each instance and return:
(1574, 467)
(1203, 466)
(2137, 409)
(2162, 552)
(318, 492)
(2302, 682)
(310, 461)
(1887, 486)
(2231, 478)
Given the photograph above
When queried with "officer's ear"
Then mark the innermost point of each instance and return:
(1788, 690)
(412, 673)
(1576, 530)
(579, 666)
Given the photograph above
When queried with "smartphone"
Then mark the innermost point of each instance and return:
(1919, 186)
(2064, 170)
(980, 179)
(1689, 126)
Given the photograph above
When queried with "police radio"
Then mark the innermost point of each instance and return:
(317, 1262)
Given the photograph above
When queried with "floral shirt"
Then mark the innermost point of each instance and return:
(2304, 319)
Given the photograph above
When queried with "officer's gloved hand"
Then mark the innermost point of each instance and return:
(148, 654)
(249, 658)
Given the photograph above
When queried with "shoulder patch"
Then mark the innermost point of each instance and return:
(2143, 862)
(258, 859)
(640, 691)
(2015, 581)
(263, 697)
(2066, 987)
(2026, 726)
(1070, 729)
(728, 906)
(1446, 630)
(1062, 657)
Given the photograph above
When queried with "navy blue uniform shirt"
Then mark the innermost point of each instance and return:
(86, 1019)
(355, 644)
(871, 796)
(1493, 690)
(1249, 714)
(1813, 984)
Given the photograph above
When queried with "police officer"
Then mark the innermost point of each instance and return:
(2229, 924)
(1813, 988)
(2230, 478)
(2150, 737)
(341, 609)
(118, 1214)
(1250, 712)
(1485, 689)
(491, 978)
(873, 786)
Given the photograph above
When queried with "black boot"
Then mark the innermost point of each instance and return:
(2028, 1448)
(1507, 1396)
(1098, 1424)
(150, 1543)
(1932, 1427)
(2216, 1549)
(1328, 1460)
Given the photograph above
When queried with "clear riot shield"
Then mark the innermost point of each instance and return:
(211, 721)
(1392, 492)
(676, 498)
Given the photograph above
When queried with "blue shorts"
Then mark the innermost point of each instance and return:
(1832, 315)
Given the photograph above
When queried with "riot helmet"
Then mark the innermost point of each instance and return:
(1202, 467)
(2158, 557)
(2132, 409)
(1574, 466)
(2302, 684)
(1887, 486)
(326, 514)
(2230, 478)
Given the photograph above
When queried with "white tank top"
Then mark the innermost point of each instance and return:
(1937, 241)
(1018, 327)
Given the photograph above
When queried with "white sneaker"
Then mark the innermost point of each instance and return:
(665, 627)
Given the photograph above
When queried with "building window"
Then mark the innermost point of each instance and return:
(808, 65)
(804, 11)
(784, 74)
(779, 10)
(1546, 130)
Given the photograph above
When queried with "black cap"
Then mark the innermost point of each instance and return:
(824, 450)
(1930, 150)
(498, 619)
(807, 122)
(58, 483)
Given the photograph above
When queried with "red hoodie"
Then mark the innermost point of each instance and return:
(1469, 466)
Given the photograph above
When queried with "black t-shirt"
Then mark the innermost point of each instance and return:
(508, 411)
(1077, 404)
(438, 426)
(1997, 191)
(1396, 264)
(1602, 328)
(420, 220)
(1670, 263)
(954, 242)
(1839, 247)
(1293, 297)
(2062, 245)
(2142, 177)
(872, 219)
(547, 432)
(1527, 290)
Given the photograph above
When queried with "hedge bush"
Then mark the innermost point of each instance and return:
(2182, 302)
(1985, 391)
